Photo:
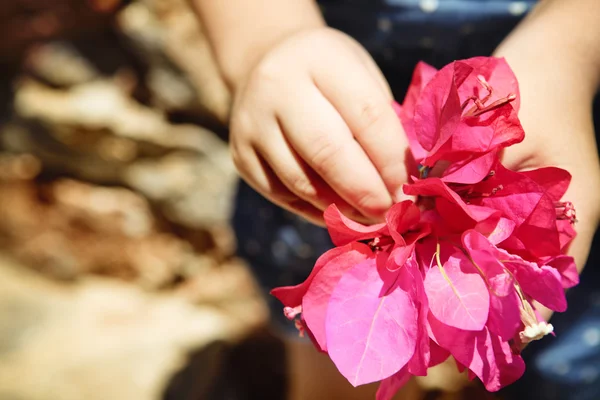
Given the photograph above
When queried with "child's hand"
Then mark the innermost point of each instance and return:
(312, 124)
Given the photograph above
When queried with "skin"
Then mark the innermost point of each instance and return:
(311, 122)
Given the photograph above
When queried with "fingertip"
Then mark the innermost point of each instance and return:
(399, 196)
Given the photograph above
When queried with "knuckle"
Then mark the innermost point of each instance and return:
(371, 112)
(266, 71)
(325, 154)
(302, 186)
(371, 204)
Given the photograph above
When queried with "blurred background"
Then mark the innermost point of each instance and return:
(118, 271)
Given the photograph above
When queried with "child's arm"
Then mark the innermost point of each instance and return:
(555, 54)
(242, 31)
(312, 121)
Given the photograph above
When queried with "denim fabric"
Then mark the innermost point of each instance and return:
(282, 248)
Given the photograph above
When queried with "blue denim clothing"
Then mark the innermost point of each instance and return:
(282, 248)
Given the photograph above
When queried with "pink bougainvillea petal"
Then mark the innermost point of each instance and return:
(410, 278)
(390, 386)
(470, 170)
(435, 187)
(566, 234)
(554, 181)
(493, 130)
(505, 317)
(481, 352)
(398, 256)
(565, 265)
(437, 353)
(343, 230)
(422, 74)
(498, 75)
(291, 296)
(370, 334)
(438, 106)
(400, 218)
(316, 298)
(496, 230)
(457, 294)
(529, 204)
(448, 121)
(543, 284)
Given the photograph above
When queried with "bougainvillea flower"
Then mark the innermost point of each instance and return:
(461, 271)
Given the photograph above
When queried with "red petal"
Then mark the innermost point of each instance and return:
(316, 298)
(422, 75)
(343, 230)
(483, 353)
(438, 107)
(400, 218)
(390, 386)
(565, 265)
(471, 170)
(497, 73)
(291, 296)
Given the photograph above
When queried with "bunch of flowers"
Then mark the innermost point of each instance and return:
(459, 272)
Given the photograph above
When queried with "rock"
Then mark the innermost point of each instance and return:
(98, 340)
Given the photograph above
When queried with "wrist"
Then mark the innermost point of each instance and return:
(242, 32)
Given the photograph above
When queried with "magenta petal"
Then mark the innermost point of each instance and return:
(505, 316)
(316, 299)
(421, 76)
(555, 181)
(498, 74)
(437, 354)
(497, 129)
(343, 230)
(400, 218)
(471, 170)
(496, 230)
(398, 256)
(565, 265)
(566, 233)
(541, 283)
(390, 386)
(438, 107)
(370, 335)
(291, 296)
(457, 294)
(482, 353)
(410, 279)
